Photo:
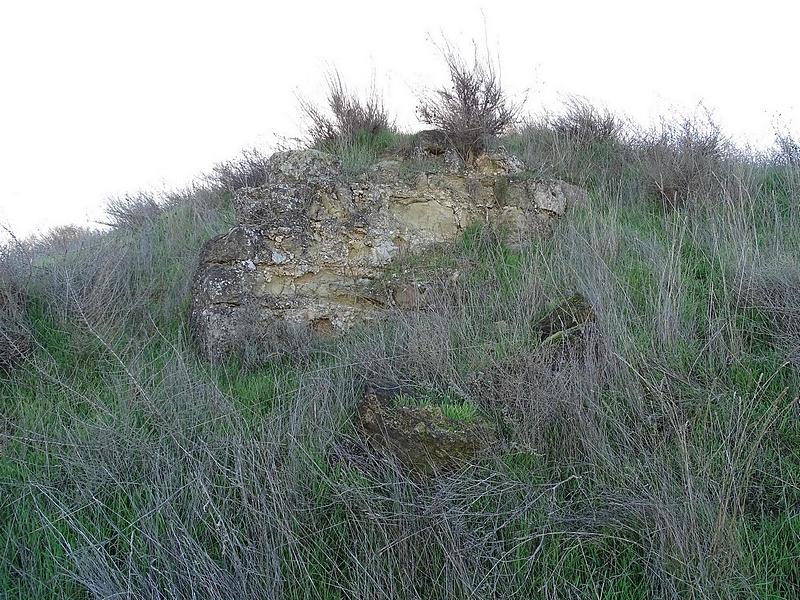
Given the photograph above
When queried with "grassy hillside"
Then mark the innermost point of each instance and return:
(665, 463)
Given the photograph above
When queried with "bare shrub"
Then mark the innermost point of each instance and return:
(683, 159)
(473, 107)
(585, 124)
(246, 170)
(787, 149)
(132, 211)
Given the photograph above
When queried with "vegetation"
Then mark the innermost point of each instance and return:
(355, 129)
(246, 170)
(452, 407)
(473, 108)
(661, 460)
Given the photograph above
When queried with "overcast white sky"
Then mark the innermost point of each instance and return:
(99, 98)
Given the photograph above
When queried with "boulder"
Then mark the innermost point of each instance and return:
(311, 245)
(430, 142)
(422, 437)
(565, 318)
(568, 333)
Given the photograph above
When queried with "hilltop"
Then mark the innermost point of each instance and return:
(573, 372)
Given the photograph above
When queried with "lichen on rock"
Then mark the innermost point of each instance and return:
(311, 245)
(565, 318)
(422, 437)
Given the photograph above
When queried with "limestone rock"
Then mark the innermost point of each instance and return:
(499, 162)
(422, 438)
(311, 246)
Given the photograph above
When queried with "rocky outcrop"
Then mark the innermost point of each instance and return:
(311, 246)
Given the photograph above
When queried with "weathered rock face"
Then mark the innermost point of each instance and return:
(310, 246)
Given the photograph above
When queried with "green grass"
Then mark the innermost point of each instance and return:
(364, 149)
(452, 408)
(128, 466)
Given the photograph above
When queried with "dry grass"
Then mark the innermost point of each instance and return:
(139, 272)
(664, 435)
(14, 328)
(684, 159)
(347, 115)
(773, 286)
(249, 169)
